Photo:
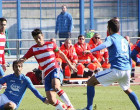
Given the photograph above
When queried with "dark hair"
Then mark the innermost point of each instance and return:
(3, 19)
(38, 73)
(16, 62)
(80, 36)
(114, 25)
(36, 32)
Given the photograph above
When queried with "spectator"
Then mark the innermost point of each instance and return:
(68, 49)
(44, 52)
(17, 83)
(135, 52)
(85, 58)
(133, 62)
(101, 55)
(35, 76)
(64, 24)
(138, 55)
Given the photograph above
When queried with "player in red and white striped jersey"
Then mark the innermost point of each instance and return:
(44, 53)
(3, 23)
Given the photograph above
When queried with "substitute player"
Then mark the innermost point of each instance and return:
(120, 60)
(17, 83)
(44, 53)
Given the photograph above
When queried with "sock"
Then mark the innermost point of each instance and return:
(59, 105)
(64, 97)
(134, 99)
(2, 107)
(90, 96)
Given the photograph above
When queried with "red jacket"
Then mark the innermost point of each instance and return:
(99, 54)
(70, 53)
(84, 58)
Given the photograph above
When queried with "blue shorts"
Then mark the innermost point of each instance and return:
(1, 71)
(56, 73)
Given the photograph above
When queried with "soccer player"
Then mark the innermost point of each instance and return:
(120, 60)
(3, 23)
(17, 83)
(44, 53)
(134, 53)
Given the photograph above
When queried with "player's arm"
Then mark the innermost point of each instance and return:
(35, 91)
(27, 55)
(106, 44)
(134, 53)
(3, 80)
(63, 56)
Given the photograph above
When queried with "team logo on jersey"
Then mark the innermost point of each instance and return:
(15, 87)
(37, 48)
(21, 81)
(12, 80)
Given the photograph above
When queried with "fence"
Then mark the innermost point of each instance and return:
(20, 48)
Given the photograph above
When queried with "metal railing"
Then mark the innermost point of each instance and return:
(18, 42)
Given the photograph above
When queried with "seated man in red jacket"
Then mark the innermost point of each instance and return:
(101, 55)
(68, 49)
(85, 57)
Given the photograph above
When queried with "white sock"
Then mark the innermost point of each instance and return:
(64, 97)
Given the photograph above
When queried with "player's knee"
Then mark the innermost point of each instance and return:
(92, 81)
(51, 100)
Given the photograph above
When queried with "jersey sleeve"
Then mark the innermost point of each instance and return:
(34, 90)
(108, 42)
(29, 53)
(4, 79)
(55, 48)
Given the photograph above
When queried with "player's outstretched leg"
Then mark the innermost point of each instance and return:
(134, 99)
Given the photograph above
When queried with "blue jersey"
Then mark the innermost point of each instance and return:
(119, 51)
(16, 87)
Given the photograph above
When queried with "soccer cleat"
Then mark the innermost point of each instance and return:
(70, 108)
(63, 107)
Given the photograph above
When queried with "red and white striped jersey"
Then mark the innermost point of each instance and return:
(2, 47)
(45, 56)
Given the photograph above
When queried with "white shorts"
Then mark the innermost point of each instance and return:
(4, 100)
(109, 76)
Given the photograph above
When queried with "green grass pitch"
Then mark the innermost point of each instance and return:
(106, 98)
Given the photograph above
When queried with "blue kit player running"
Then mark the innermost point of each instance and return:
(17, 84)
(120, 60)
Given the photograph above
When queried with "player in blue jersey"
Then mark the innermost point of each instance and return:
(17, 84)
(120, 60)
(134, 53)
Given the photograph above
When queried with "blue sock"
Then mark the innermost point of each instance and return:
(134, 99)
(2, 107)
(90, 96)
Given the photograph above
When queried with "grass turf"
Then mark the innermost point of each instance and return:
(106, 98)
